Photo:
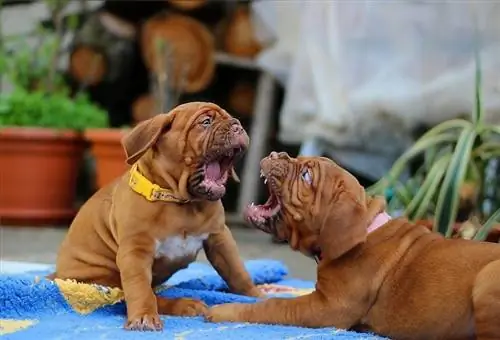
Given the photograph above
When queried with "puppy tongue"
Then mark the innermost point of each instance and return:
(213, 170)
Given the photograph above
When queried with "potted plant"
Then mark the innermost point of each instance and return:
(41, 149)
(41, 145)
(455, 177)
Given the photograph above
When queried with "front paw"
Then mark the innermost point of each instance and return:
(188, 307)
(230, 312)
(255, 292)
(146, 322)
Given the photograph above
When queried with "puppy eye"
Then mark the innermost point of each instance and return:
(306, 175)
(206, 122)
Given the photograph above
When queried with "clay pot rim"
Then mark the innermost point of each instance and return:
(34, 132)
(100, 135)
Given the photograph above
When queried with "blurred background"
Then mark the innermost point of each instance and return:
(405, 95)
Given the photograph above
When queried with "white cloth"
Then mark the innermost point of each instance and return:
(365, 73)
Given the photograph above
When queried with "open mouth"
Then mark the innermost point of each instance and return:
(260, 215)
(216, 171)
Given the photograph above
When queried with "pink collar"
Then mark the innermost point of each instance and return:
(378, 221)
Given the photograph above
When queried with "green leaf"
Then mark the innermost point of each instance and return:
(448, 199)
(432, 138)
(477, 113)
(405, 191)
(420, 203)
(483, 232)
(492, 128)
(422, 145)
(56, 110)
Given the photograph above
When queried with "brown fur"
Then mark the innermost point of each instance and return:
(401, 280)
(112, 239)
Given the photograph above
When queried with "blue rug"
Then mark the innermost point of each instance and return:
(32, 307)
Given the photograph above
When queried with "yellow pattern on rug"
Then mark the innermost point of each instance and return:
(8, 326)
(85, 298)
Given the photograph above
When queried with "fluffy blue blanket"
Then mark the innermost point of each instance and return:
(32, 307)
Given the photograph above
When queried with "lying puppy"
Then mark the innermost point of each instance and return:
(138, 231)
(376, 274)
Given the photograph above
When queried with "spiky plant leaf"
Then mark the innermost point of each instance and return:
(418, 148)
(422, 200)
(486, 147)
(430, 157)
(448, 199)
(485, 229)
(477, 113)
(492, 128)
(405, 191)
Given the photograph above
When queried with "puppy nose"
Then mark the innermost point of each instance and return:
(236, 128)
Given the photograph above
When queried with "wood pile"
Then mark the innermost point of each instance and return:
(140, 58)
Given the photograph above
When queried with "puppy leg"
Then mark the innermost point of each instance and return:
(486, 300)
(135, 261)
(181, 307)
(305, 311)
(222, 252)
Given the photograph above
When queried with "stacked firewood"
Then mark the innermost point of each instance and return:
(140, 58)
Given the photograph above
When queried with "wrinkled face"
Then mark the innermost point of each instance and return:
(303, 197)
(198, 143)
(216, 141)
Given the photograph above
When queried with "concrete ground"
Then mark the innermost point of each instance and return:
(39, 245)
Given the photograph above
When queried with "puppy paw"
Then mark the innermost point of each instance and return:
(229, 312)
(188, 307)
(255, 292)
(147, 322)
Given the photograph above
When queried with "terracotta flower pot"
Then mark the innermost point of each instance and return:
(108, 154)
(39, 169)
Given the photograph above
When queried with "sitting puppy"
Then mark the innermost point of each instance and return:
(139, 230)
(375, 273)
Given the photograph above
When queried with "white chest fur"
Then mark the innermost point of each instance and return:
(177, 246)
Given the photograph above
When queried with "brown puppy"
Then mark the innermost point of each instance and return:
(375, 274)
(138, 231)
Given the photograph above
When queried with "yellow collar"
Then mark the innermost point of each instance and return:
(150, 191)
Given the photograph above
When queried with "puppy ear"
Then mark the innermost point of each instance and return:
(345, 228)
(144, 135)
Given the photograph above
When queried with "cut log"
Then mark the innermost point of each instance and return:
(241, 99)
(102, 49)
(179, 48)
(239, 37)
(144, 107)
(187, 4)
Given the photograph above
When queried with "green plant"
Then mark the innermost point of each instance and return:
(50, 110)
(41, 97)
(28, 67)
(455, 152)
(30, 60)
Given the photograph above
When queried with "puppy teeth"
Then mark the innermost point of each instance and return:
(265, 181)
